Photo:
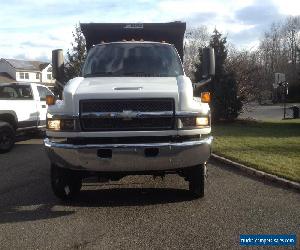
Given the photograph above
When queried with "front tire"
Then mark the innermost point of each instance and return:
(7, 137)
(196, 178)
(65, 183)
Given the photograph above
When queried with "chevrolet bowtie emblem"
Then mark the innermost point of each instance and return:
(128, 114)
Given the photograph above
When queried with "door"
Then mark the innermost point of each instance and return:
(41, 104)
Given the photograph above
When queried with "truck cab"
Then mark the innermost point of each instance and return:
(132, 112)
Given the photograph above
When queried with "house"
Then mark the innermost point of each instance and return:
(26, 71)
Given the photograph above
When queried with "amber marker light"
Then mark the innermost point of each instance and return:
(205, 97)
(50, 99)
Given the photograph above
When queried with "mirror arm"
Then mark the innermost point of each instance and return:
(202, 83)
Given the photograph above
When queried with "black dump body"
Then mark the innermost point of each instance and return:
(172, 33)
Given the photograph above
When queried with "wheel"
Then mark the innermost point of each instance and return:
(65, 183)
(7, 137)
(196, 178)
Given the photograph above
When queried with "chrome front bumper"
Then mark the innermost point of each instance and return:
(129, 157)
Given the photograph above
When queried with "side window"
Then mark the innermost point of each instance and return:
(8, 92)
(43, 92)
(25, 92)
(26, 75)
(16, 92)
(22, 75)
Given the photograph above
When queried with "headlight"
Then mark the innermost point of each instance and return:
(193, 122)
(53, 124)
(202, 121)
(61, 125)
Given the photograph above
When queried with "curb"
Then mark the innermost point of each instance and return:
(258, 173)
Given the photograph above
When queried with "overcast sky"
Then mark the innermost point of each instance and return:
(31, 29)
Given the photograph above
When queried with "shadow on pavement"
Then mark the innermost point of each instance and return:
(130, 197)
(38, 203)
(14, 214)
(36, 209)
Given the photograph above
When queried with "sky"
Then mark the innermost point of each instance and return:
(32, 29)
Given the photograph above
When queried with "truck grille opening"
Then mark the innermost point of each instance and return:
(112, 123)
(144, 105)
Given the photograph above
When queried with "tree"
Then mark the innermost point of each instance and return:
(76, 55)
(195, 38)
(225, 104)
(278, 50)
(248, 72)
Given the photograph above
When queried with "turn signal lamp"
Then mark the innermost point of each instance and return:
(50, 99)
(205, 97)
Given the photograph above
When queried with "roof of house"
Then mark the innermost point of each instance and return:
(6, 78)
(27, 65)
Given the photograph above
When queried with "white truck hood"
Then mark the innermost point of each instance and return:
(179, 88)
(126, 88)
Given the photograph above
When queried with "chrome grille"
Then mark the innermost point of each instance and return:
(113, 115)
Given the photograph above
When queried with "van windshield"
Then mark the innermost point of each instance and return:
(133, 59)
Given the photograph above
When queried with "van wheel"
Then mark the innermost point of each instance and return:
(65, 183)
(196, 180)
(7, 137)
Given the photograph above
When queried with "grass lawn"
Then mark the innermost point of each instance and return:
(273, 147)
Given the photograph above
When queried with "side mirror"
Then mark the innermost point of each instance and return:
(208, 62)
(58, 64)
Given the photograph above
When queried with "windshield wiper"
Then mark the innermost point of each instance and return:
(136, 74)
(99, 74)
(145, 74)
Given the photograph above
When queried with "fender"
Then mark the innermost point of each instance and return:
(11, 113)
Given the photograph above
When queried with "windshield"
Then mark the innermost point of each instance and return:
(133, 59)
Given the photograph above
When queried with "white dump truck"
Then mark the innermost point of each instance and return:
(131, 112)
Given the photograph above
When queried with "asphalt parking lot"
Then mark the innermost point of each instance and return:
(137, 212)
